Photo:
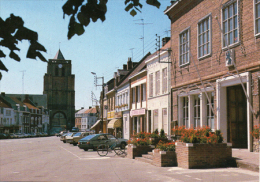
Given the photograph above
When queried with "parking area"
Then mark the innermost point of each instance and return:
(49, 159)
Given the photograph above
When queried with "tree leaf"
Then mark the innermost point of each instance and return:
(0, 76)
(71, 31)
(40, 56)
(25, 33)
(2, 67)
(2, 54)
(155, 3)
(127, 1)
(36, 46)
(133, 12)
(14, 56)
(137, 9)
(130, 6)
(84, 20)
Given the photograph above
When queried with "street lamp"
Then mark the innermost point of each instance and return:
(101, 109)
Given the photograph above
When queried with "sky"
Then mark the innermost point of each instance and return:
(103, 48)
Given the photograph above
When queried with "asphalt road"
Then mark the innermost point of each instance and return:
(49, 159)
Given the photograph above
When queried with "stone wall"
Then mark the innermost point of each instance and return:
(137, 151)
(164, 158)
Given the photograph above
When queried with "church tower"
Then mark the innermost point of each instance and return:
(59, 86)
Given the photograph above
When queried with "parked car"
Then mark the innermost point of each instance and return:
(12, 135)
(79, 136)
(3, 136)
(75, 129)
(93, 141)
(62, 138)
(69, 137)
(60, 133)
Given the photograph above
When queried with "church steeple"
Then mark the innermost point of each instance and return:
(59, 55)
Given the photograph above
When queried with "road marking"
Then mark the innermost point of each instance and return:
(198, 179)
(16, 172)
(88, 158)
(188, 176)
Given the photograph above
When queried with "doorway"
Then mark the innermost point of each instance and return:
(236, 117)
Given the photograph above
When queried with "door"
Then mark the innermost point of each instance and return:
(236, 117)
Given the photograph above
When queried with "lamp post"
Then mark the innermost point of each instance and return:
(101, 108)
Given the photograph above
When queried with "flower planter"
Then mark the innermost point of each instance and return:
(256, 145)
(164, 158)
(137, 151)
(195, 155)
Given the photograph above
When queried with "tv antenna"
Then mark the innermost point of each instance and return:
(143, 30)
(23, 80)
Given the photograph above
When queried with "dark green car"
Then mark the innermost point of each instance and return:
(93, 141)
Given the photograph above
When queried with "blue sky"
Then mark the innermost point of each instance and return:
(103, 48)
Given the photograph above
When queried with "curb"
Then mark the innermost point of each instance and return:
(248, 166)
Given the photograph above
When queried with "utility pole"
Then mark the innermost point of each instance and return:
(23, 80)
(143, 30)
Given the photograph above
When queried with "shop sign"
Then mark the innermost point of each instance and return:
(111, 115)
(137, 112)
(118, 114)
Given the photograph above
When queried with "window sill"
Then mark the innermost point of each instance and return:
(231, 46)
(183, 65)
(204, 57)
(257, 35)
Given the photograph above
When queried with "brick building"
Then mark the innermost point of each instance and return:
(215, 66)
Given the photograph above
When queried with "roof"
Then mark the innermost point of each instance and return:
(59, 55)
(17, 101)
(91, 110)
(30, 106)
(2, 104)
(136, 69)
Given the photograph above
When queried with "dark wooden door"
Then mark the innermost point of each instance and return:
(236, 117)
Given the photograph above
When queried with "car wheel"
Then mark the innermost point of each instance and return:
(86, 149)
(74, 144)
(64, 141)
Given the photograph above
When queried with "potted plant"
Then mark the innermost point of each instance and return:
(255, 134)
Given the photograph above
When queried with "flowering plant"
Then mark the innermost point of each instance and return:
(139, 141)
(168, 146)
(255, 132)
(199, 135)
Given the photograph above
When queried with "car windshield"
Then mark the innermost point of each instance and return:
(69, 134)
(77, 134)
(89, 137)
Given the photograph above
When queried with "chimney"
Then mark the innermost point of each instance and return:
(26, 96)
(3, 94)
(129, 64)
(89, 107)
(82, 107)
(165, 40)
(124, 67)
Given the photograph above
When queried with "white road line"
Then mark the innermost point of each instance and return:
(198, 179)
(188, 176)
(85, 157)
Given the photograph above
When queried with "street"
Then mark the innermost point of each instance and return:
(49, 159)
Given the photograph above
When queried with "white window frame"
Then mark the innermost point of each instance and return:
(256, 19)
(157, 83)
(164, 80)
(133, 94)
(210, 115)
(185, 112)
(144, 92)
(227, 5)
(197, 113)
(151, 85)
(187, 43)
(138, 93)
(209, 31)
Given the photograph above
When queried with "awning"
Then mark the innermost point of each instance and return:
(92, 127)
(115, 123)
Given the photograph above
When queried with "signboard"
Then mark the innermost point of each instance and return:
(118, 114)
(137, 112)
(111, 115)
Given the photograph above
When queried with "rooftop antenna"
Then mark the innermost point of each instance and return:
(23, 80)
(143, 30)
(132, 53)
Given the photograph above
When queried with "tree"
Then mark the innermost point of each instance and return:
(81, 13)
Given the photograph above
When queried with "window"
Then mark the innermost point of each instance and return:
(185, 111)
(210, 114)
(56, 71)
(196, 111)
(151, 85)
(155, 119)
(144, 92)
(138, 94)
(63, 71)
(126, 97)
(164, 80)
(204, 37)
(157, 83)
(257, 17)
(133, 94)
(184, 47)
(8, 113)
(230, 24)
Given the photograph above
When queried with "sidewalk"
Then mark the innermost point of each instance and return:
(245, 159)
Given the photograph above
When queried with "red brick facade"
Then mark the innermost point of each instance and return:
(187, 15)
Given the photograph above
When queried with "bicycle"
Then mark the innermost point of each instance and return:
(103, 149)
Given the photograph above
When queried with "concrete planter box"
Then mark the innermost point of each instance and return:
(195, 155)
(137, 151)
(164, 158)
(256, 145)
